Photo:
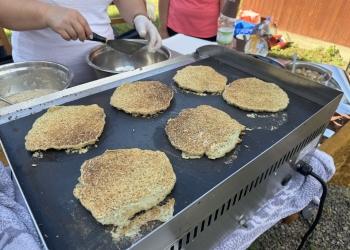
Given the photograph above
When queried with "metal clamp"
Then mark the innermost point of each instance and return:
(241, 221)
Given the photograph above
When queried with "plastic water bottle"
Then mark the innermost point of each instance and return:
(263, 28)
(266, 27)
(226, 23)
(225, 31)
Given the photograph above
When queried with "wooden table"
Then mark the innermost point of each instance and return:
(3, 157)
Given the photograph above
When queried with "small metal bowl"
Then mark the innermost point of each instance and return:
(22, 76)
(107, 61)
(327, 74)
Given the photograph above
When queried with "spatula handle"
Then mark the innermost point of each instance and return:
(98, 38)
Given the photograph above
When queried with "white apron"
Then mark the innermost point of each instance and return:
(46, 45)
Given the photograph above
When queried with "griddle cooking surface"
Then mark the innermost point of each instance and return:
(48, 187)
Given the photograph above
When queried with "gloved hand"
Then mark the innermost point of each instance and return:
(147, 30)
(151, 7)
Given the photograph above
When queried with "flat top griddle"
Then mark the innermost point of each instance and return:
(48, 187)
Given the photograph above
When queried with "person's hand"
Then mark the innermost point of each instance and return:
(147, 30)
(151, 7)
(68, 23)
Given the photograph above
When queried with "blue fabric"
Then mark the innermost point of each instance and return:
(243, 27)
(17, 230)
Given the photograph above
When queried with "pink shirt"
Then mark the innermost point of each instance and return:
(197, 18)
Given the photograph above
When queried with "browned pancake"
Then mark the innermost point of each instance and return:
(159, 213)
(120, 183)
(66, 127)
(200, 79)
(203, 130)
(256, 95)
(142, 98)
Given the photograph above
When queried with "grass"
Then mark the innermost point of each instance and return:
(8, 34)
(124, 27)
(320, 54)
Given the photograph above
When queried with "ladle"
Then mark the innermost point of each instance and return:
(294, 61)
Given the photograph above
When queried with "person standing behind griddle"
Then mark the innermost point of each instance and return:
(197, 18)
(49, 30)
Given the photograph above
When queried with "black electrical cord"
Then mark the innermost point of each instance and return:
(306, 170)
(309, 223)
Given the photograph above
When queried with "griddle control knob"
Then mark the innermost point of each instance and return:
(241, 221)
(286, 180)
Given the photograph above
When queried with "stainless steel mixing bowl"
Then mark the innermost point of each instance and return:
(18, 77)
(325, 73)
(107, 61)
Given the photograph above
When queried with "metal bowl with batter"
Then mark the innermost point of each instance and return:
(107, 61)
(34, 79)
(311, 71)
(22, 76)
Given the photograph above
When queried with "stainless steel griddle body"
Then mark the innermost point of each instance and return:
(213, 197)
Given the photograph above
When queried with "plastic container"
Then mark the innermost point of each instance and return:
(241, 40)
(250, 16)
(243, 28)
(225, 31)
(266, 27)
(262, 29)
(226, 23)
(256, 46)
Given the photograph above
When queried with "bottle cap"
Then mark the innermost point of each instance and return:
(268, 18)
(230, 8)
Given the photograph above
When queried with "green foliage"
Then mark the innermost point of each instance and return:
(278, 244)
(255, 245)
(288, 37)
(8, 34)
(124, 27)
(330, 55)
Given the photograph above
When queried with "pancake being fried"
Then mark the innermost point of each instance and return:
(203, 130)
(120, 183)
(200, 79)
(159, 213)
(256, 95)
(142, 98)
(66, 127)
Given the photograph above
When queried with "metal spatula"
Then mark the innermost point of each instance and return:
(124, 46)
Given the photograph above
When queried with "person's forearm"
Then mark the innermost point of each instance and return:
(23, 14)
(129, 8)
(163, 9)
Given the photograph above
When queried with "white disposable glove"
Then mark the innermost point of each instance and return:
(151, 7)
(147, 30)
